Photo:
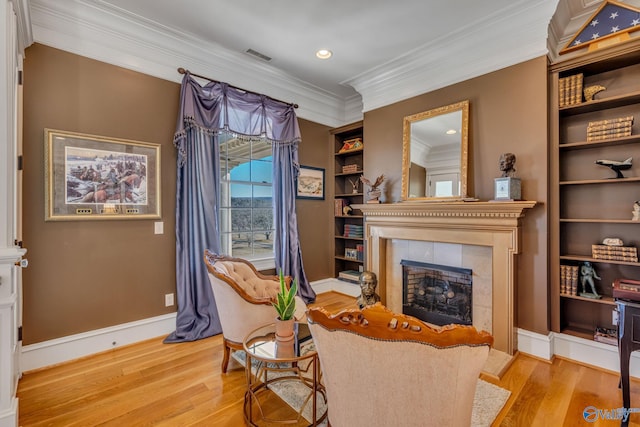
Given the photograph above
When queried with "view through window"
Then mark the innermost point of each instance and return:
(246, 200)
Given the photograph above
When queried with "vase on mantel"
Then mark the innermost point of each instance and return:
(284, 329)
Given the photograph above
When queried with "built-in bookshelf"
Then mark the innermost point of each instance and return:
(595, 101)
(348, 238)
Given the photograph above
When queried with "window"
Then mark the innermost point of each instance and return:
(246, 199)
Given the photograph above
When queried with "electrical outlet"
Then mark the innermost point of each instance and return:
(168, 300)
(614, 317)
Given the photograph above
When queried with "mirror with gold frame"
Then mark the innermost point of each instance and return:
(435, 150)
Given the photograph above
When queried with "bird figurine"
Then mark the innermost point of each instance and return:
(590, 91)
(374, 193)
(616, 166)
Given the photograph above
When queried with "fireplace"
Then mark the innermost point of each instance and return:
(468, 229)
(437, 294)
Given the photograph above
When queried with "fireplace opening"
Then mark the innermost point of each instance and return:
(437, 294)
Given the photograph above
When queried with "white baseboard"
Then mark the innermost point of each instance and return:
(9, 417)
(331, 284)
(581, 350)
(47, 353)
(64, 349)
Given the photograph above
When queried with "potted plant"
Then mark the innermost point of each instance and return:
(285, 305)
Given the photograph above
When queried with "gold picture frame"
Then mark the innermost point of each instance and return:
(90, 177)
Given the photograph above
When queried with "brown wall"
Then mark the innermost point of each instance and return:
(508, 112)
(85, 275)
(315, 217)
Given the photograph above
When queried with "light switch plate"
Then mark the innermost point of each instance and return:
(159, 227)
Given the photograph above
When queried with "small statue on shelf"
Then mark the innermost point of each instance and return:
(374, 192)
(616, 165)
(354, 185)
(587, 274)
(507, 165)
(636, 211)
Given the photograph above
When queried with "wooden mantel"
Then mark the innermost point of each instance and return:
(492, 224)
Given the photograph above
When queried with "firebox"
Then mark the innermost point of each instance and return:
(437, 294)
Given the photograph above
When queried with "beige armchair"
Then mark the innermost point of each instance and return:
(243, 298)
(382, 369)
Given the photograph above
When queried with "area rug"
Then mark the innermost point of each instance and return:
(487, 404)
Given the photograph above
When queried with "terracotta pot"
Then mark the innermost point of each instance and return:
(284, 329)
(285, 349)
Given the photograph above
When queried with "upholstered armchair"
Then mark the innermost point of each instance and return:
(382, 369)
(243, 298)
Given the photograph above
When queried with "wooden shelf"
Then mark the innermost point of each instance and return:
(598, 221)
(348, 259)
(582, 145)
(350, 153)
(600, 104)
(359, 172)
(581, 258)
(361, 239)
(349, 216)
(601, 181)
(603, 300)
(349, 195)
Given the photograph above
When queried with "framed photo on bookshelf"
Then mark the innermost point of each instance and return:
(310, 183)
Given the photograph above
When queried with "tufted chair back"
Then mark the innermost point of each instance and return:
(243, 298)
(386, 369)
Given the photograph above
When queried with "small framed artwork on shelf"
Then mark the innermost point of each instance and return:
(351, 253)
(310, 183)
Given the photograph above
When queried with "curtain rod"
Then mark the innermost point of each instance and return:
(183, 71)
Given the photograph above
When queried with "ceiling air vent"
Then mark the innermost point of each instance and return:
(258, 55)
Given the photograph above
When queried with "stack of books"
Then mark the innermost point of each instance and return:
(606, 335)
(609, 129)
(338, 204)
(360, 249)
(614, 253)
(354, 231)
(569, 279)
(350, 168)
(570, 90)
(351, 276)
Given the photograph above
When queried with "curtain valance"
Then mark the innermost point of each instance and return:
(218, 107)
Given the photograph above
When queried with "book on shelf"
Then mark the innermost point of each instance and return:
(360, 249)
(350, 168)
(607, 121)
(352, 276)
(615, 253)
(569, 279)
(617, 133)
(570, 90)
(338, 205)
(609, 126)
(606, 335)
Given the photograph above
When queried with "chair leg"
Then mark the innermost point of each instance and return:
(225, 358)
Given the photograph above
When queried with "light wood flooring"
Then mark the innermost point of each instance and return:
(151, 383)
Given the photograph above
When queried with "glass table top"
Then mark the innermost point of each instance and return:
(262, 344)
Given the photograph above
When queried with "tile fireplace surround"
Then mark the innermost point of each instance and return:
(494, 225)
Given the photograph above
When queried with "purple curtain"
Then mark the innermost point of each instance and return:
(206, 112)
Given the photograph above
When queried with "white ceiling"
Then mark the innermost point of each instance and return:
(383, 51)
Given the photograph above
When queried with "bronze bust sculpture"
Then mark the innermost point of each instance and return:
(368, 282)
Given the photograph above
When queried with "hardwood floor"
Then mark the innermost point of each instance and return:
(152, 383)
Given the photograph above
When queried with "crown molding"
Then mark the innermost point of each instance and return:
(102, 32)
(23, 15)
(513, 35)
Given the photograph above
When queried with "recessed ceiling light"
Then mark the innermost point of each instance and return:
(451, 132)
(324, 54)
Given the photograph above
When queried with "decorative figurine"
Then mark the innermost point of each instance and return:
(587, 274)
(354, 185)
(636, 211)
(352, 144)
(616, 166)
(507, 187)
(374, 192)
(368, 282)
(507, 165)
(590, 91)
(347, 210)
(612, 241)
